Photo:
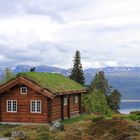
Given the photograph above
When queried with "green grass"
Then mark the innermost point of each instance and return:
(132, 117)
(82, 117)
(95, 118)
(54, 82)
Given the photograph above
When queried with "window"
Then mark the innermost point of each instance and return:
(23, 90)
(35, 106)
(65, 100)
(11, 106)
(75, 99)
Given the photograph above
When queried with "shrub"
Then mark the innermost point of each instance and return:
(96, 102)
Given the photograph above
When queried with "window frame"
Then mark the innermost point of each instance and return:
(76, 99)
(65, 101)
(31, 109)
(12, 110)
(21, 89)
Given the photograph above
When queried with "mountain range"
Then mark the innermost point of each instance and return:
(125, 79)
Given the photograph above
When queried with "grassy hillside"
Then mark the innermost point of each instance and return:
(84, 127)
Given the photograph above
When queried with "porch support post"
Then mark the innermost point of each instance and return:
(49, 110)
(80, 110)
(62, 107)
(68, 106)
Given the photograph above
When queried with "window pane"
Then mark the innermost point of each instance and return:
(14, 106)
(33, 106)
(38, 106)
(9, 105)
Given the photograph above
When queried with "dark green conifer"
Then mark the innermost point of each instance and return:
(77, 72)
(114, 100)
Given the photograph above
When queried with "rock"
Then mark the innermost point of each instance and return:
(138, 121)
(136, 127)
(57, 126)
(18, 134)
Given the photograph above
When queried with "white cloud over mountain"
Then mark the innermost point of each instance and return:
(49, 31)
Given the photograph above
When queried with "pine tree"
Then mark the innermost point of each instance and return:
(114, 100)
(77, 72)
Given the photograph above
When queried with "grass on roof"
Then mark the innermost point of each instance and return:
(53, 81)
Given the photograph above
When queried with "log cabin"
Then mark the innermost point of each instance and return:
(34, 97)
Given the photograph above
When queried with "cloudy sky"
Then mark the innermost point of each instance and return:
(47, 32)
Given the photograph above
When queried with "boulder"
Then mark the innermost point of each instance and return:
(18, 134)
(136, 127)
(57, 126)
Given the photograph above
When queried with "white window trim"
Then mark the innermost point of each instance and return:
(35, 106)
(21, 90)
(11, 106)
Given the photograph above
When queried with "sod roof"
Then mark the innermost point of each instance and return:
(56, 83)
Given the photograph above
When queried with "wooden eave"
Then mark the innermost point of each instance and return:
(70, 92)
(23, 80)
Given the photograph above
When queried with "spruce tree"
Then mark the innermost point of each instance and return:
(77, 72)
(114, 100)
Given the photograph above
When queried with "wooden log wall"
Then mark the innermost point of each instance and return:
(74, 107)
(56, 108)
(23, 113)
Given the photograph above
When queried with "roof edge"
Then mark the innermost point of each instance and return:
(28, 82)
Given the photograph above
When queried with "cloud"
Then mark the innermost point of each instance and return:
(48, 32)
